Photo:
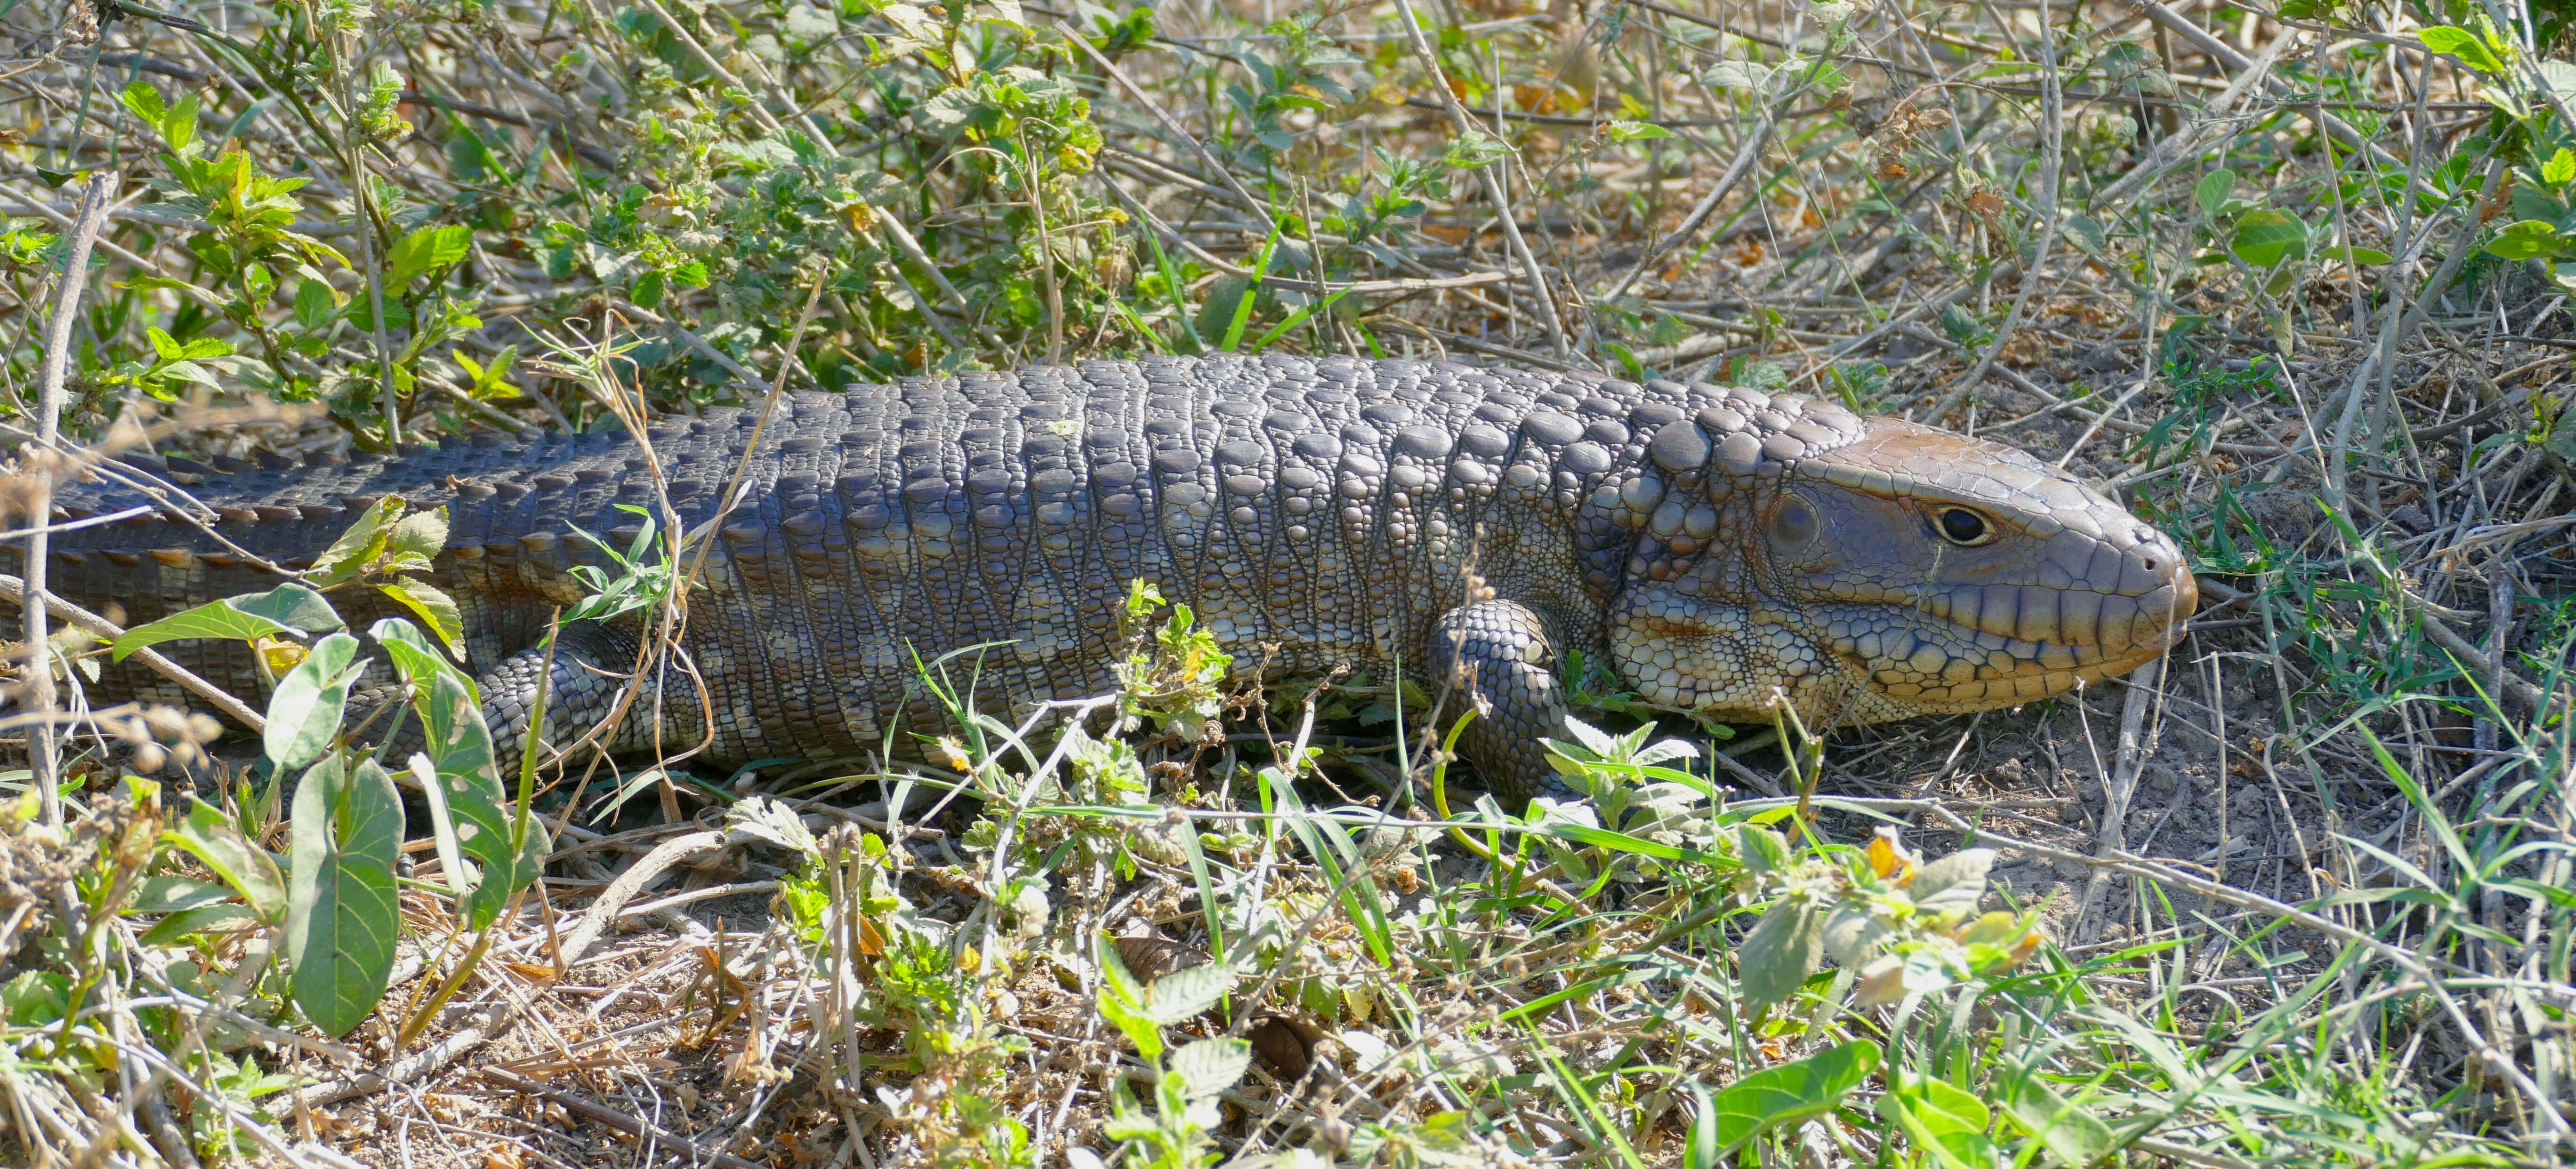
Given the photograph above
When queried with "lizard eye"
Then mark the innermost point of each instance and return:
(1794, 524)
(1965, 528)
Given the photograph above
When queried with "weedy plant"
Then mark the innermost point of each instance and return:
(2290, 277)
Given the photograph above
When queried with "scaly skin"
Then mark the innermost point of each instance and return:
(1713, 546)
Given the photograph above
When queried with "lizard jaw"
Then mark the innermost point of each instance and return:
(1860, 662)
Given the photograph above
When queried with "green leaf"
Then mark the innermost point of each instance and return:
(1122, 1002)
(349, 555)
(424, 251)
(2265, 237)
(1942, 1120)
(210, 836)
(1783, 1095)
(215, 619)
(469, 784)
(341, 917)
(315, 304)
(1210, 1066)
(434, 607)
(2356, 256)
(163, 345)
(1781, 952)
(2211, 193)
(36, 998)
(1243, 306)
(422, 534)
(1953, 884)
(2070, 1133)
(170, 893)
(415, 658)
(221, 918)
(2528, 240)
(1183, 995)
(293, 605)
(304, 713)
(1762, 850)
(2463, 44)
(178, 125)
(145, 101)
(1621, 131)
(2560, 168)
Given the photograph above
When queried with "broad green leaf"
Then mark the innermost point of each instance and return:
(341, 917)
(2069, 1132)
(292, 605)
(215, 619)
(1183, 995)
(170, 893)
(1941, 1120)
(186, 371)
(1853, 934)
(35, 998)
(210, 836)
(2356, 256)
(2526, 240)
(304, 713)
(1210, 1066)
(2560, 168)
(434, 607)
(773, 821)
(460, 753)
(162, 344)
(220, 918)
(1787, 1094)
(2463, 44)
(2265, 237)
(415, 658)
(1781, 952)
(178, 124)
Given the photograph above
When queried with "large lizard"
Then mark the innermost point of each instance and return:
(1719, 549)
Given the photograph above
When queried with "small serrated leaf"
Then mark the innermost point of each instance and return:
(1186, 994)
(1953, 884)
(434, 607)
(1210, 1066)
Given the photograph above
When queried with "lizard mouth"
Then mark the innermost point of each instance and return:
(1979, 653)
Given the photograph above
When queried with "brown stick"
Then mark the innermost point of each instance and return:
(40, 461)
(689, 1151)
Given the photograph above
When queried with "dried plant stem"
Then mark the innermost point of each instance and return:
(2052, 144)
(43, 754)
(1491, 175)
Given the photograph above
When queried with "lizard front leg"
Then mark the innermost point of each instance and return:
(1502, 656)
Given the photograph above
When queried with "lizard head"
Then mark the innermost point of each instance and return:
(1893, 570)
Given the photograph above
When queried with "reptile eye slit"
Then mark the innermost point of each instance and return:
(1963, 527)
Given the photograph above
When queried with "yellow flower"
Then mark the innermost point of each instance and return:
(1889, 859)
